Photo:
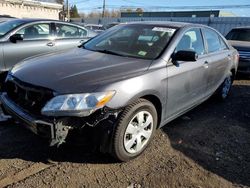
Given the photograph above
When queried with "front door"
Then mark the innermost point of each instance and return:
(36, 40)
(187, 82)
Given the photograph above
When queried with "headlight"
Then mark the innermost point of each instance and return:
(77, 104)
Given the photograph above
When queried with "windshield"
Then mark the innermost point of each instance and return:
(141, 41)
(239, 34)
(5, 27)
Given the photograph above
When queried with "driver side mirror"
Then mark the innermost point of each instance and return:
(16, 37)
(184, 55)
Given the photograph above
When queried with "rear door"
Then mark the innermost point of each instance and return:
(219, 57)
(69, 36)
(37, 39)
(187, 81)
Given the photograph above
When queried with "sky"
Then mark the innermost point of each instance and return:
(153, 5)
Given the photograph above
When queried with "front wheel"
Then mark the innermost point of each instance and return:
(224, 89)
(134, 130)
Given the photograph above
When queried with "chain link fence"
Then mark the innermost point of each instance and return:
(222, 24)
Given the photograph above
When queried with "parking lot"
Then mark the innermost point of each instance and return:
(207, 147)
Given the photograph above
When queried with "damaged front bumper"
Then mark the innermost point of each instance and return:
(41, 127)
(55, 130)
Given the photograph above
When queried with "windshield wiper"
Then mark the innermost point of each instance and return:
(110, 52)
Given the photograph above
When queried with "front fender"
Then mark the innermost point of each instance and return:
(132, 89)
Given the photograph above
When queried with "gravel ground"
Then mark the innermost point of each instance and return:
(207, 147)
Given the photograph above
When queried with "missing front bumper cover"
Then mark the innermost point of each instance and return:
(56, 130)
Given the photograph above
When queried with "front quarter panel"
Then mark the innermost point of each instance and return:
(152, 82)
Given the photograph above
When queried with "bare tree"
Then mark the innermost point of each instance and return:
(139, 10)
(107, 13)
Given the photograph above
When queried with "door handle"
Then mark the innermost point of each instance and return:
(206, 64)
(51, 44)
(81, 41)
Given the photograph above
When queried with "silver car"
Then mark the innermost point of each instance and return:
(22, 38)
(122, 85)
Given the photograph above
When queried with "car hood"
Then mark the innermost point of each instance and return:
(77, 70)
(240, 45)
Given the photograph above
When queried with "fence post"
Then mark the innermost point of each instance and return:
(209, 21)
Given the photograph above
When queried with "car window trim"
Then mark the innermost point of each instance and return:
(72, 25)
(218, 35)
(203, 31)
(202, 37)
(29, 24)
(224, 41)
(205, 41)
(87, 31)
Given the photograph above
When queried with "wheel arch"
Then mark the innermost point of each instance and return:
(233, 71)
(157, 104)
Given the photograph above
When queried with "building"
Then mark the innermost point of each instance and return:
(30, 9)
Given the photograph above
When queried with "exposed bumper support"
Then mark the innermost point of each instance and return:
(41, 127)
(56, 130)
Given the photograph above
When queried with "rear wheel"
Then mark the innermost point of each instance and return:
(134, 130)
(224, 89)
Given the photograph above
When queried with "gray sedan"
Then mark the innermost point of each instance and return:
(122, 85)
(22, 38)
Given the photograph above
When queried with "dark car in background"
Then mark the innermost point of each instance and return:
(122, 85)
(23, 38)
(107, 26)
(239, 38)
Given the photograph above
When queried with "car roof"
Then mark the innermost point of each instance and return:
(28, 20)
(155, 23)
(166, 24)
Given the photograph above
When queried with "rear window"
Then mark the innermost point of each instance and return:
(239, 34)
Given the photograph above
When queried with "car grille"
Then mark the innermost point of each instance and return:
(30, 98)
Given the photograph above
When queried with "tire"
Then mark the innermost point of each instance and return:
(224, 89)
(134, 131)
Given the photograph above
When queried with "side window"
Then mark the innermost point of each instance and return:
(192, 40)
(82, 32)
(223, 45)
(66, 31)
(36, 31)
(213, 42)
